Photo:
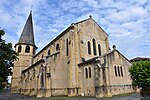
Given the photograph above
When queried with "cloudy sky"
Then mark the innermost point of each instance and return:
(127, 22)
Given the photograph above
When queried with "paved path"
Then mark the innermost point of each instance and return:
(8, 96)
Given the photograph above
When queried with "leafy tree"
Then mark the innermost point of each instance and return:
(140, 74)
(7, 56)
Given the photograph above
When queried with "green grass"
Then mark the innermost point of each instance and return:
(64, 98)
(123, 95)
(80, 97)
(1, 90)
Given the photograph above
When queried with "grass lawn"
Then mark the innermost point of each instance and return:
(65, 98)
(123, 95)
(81, 97)
(1, 90)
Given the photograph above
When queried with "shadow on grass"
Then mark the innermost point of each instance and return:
(65, 98)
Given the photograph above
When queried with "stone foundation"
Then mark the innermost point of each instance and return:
(121, 89)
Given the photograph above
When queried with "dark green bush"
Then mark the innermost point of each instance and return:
(140, 74)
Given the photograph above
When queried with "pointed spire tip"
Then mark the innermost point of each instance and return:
(31, 8)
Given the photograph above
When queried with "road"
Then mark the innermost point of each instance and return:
(8, 96)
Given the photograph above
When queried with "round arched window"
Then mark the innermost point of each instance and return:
(27, 49)
(57, 47)
(19, 49)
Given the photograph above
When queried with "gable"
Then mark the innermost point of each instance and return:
(88, 30)
(90, 21)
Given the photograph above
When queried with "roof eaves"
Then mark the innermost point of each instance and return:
(33, 65)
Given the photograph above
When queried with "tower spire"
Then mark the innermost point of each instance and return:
(31, 8)
(27, 35)
(26, 49)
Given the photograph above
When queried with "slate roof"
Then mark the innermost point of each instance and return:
(93, 59)
(66, 30)
(27, 35)
(139, 59)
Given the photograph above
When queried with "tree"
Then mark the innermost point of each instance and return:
(140, 74)
(7, 56)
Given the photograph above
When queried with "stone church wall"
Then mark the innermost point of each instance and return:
(55, 70)
(88, 80)
(24, 61)
(88, 31)
(120, 81)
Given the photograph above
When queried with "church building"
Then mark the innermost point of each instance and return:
(78, 62)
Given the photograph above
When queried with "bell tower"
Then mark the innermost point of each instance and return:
(26, 49)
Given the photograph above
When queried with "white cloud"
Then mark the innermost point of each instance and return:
(93, 3)
(127, 21)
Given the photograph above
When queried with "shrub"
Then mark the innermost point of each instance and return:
(140, 74)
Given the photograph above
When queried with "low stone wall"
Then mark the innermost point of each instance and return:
(59, 91)
(89, 91)
(101, 91)
(121, 89)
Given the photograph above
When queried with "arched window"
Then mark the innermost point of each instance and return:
(67, 47)
(49, 52)
(94, 46)
(27, 49)
(42, 80)
(89, 47)
(86, 72)
(115, 70)
(118, 71)
(99, 49)
(121, 71)
(89, 72)
(57, 47)
(19, 49)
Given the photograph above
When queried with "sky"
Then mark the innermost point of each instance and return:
(127, 22)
